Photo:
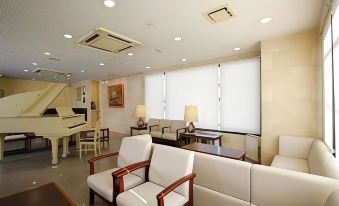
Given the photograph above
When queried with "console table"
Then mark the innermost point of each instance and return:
(209, 137)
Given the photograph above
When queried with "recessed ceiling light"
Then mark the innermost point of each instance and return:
(0, 75)
(34, 183)
(109, 3)
(47, 53)
(82, 71)
(265, 20)
(26, 70)
(178, 38)
(33, 79)
(68, 75)
(148, 67)
(130, 54)
(34, 63)
(183, 60)
(101, 64)
(236, 49)
(68, 36)
(68, 78)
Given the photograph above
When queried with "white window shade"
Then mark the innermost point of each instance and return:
(335, 23)
(154, 96)
(198, 86)
(240, 96)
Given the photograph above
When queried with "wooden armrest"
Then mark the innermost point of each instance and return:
(162, 194)
(118, 176)
(163, 129)
(150, 128)
(91, 161)
(185, 129)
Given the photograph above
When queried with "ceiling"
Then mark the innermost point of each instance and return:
(30, 28)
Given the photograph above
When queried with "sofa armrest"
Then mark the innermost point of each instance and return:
(91, 161)
(162, 194)
(163, 129)
(181, 129)
(296, 147)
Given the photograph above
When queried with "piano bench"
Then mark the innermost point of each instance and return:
(17, 138)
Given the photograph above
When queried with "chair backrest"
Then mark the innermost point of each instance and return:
(165, 123)
(152, 122)
(177, 124)
(143, 137)
(133, 150)
(169, 164)
(296, 147)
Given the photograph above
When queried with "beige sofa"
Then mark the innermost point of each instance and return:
(306, 155)
(227, 182)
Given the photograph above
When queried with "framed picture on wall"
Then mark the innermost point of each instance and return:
(116, 96)
(2, 93)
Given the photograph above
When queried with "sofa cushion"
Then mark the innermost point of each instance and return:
(132, 151)
(177, 124)
(321, 161)
(297, 147)
(204, 196)
(227, 176)
(152, 122)
(290, 163)
(169, 164)
(333, 199)
(156, 134)
(143, 137)
(102, 183)
(141, 132)
(165, 123)
(145, 194)
(169, 136)
(276, 187)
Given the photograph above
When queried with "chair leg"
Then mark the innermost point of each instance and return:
(99, 148)
(80, 150)
(91, 197)
(95, 149)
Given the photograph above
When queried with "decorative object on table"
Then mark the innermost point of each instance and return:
(2, 93)
(140, 112)
(93, 106)
(191, 115)
(116, 96)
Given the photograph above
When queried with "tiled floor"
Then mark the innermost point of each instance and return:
(22, 171)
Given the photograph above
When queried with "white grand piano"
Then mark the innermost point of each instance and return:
(25, 113)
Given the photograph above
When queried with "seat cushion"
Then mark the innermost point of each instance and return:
(102, 183)
(156, 134)
(169, 136)
(133, 150)
(297, 147)
(177, 124)
(290, 163)
(169, 164)
(145, 194)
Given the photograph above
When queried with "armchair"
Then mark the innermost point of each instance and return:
(133, 150)
(167, 185)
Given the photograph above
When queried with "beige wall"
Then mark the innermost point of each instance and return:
(291, 89)
(16, 86)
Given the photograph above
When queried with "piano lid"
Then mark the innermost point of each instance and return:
(30, 104)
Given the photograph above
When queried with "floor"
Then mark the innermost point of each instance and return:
(26, 170)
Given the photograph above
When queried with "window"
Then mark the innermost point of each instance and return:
(335, 29)
(227, 95)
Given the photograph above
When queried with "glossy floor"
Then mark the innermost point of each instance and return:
(23, 171)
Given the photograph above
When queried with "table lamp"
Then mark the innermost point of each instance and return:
(191, 115)
(140, 112)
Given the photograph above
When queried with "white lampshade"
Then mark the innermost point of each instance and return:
(140, 111)
(191, 113)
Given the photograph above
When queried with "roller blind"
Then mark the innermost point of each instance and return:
(335, 24)
(240, 96)
(154, 96)
(198, 86)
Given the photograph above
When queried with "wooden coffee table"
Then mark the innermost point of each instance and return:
(50, 194)
(207, 136)
(216, 150)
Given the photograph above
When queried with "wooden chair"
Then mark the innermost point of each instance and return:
(91, 141)
(170, 175)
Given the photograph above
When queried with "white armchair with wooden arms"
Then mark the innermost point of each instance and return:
(170, 180)
(133, 150)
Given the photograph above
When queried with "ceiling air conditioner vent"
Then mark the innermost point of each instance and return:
(49, 74)
(219, 14)
(108, 41)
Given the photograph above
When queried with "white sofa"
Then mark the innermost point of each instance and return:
(306, 155)
(227, 182)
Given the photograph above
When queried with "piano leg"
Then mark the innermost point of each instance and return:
(54, 146)
(2, 145)
(65, 147)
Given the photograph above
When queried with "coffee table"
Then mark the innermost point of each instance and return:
(209, 137)
(216, 150)
(50, 194)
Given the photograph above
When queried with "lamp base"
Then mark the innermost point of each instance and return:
(140, 122)
(191, 128)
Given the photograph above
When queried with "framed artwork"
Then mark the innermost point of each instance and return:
(116, 96)
(2, 93)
